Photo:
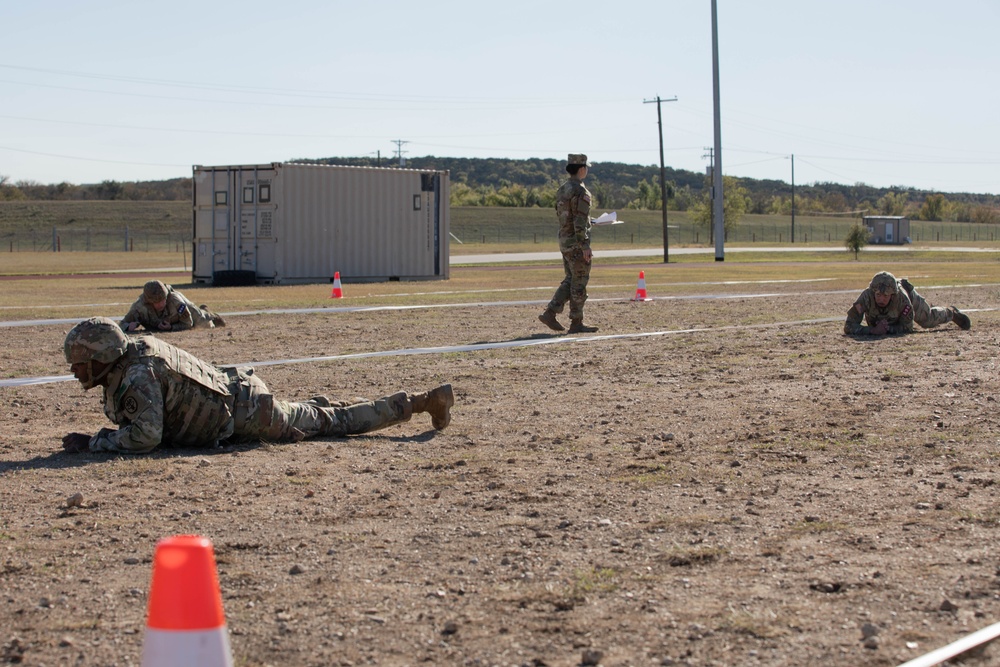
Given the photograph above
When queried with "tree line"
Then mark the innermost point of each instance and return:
(534, 181)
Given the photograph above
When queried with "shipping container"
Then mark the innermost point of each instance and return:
(284, 223)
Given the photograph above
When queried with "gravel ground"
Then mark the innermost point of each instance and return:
(749, 487)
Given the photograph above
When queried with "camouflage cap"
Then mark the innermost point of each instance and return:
(884, 283)
(96, 339)
(578, 158)
(154, 291)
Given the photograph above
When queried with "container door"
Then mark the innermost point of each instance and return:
(253, 223)
(888, 233)
(210, 222)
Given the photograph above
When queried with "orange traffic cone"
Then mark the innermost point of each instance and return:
(640, 290)
(338, 292)
(185, 626)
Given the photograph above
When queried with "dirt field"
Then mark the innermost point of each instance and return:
(750, 487)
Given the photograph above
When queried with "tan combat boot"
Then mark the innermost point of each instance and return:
(548, 318)
(437, 402)
(577, 326)
(960, 318)
(216, 318)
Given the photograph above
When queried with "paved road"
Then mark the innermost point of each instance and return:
(457, 259)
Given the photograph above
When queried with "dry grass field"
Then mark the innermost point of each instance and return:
(718, 477)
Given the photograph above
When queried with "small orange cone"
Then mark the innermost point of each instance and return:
(185, 626)
(640, 290)
(338, 292)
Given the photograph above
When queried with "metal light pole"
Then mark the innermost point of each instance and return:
(663, 177)
(718, 210)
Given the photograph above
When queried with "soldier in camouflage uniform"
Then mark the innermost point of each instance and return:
(159, 394)
(891, 306)
(162, 308)
(573, 201)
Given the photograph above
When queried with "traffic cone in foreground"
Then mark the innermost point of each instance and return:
(185, 626)
(338, 291)
(640, 291)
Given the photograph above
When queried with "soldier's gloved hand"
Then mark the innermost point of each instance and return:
(164, 326)
(131, 326)
(76, 442)
(881, 328)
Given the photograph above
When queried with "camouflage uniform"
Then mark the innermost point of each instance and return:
(904, 308)
(160, 394)
(180, 312)
(573, 201)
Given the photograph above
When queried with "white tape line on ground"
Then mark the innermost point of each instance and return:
(476, 347)
(956, 648)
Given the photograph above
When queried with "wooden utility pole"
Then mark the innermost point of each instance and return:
(663, 177)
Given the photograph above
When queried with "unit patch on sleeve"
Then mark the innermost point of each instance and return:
(132, 403)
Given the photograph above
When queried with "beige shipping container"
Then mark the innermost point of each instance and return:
(301, 223)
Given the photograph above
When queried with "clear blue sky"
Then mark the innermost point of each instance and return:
(885, 92)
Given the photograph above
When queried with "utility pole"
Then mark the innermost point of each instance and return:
(663, 177)
(717, 208)
(399, 151)
(793, 198)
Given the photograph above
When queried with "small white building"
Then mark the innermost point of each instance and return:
(890, 229)
(302, 223)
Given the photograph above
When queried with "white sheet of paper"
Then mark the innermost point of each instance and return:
(607, 219)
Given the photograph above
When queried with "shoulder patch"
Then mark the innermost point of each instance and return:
(585, 197)
(132, 403)
(181, 308)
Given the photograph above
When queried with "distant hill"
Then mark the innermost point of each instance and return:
(619, 185)
(533, 182)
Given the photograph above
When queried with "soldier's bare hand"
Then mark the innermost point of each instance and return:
(588, 255)
(76, 442)
(131, 326)
(164, 326)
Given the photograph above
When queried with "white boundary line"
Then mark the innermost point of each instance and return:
(476, 347)
(955, 649)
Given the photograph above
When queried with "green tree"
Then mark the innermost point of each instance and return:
(892, 203)
(933, 208)
(857, 238)
(735, 203)
(9, 192)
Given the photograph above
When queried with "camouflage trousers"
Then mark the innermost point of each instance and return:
(257, 415)
(925, 314)
(573, 287)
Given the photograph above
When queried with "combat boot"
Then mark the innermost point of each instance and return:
(216, 318)
(576, 325)
(548, 318)
(437, 402)
(960, 318)
(906, 285)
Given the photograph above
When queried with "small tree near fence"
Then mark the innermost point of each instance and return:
(857, 238)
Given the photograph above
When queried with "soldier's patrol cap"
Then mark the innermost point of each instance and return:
(883, 282)
(578, 158)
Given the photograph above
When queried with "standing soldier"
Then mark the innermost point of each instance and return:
(159, 394)
(889, 306)
(162, 308)
(573, 201)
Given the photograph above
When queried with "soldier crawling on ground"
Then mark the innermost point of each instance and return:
(162, 308)
(891, 306)
(159, 394)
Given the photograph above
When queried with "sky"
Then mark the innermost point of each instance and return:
(891, 93)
